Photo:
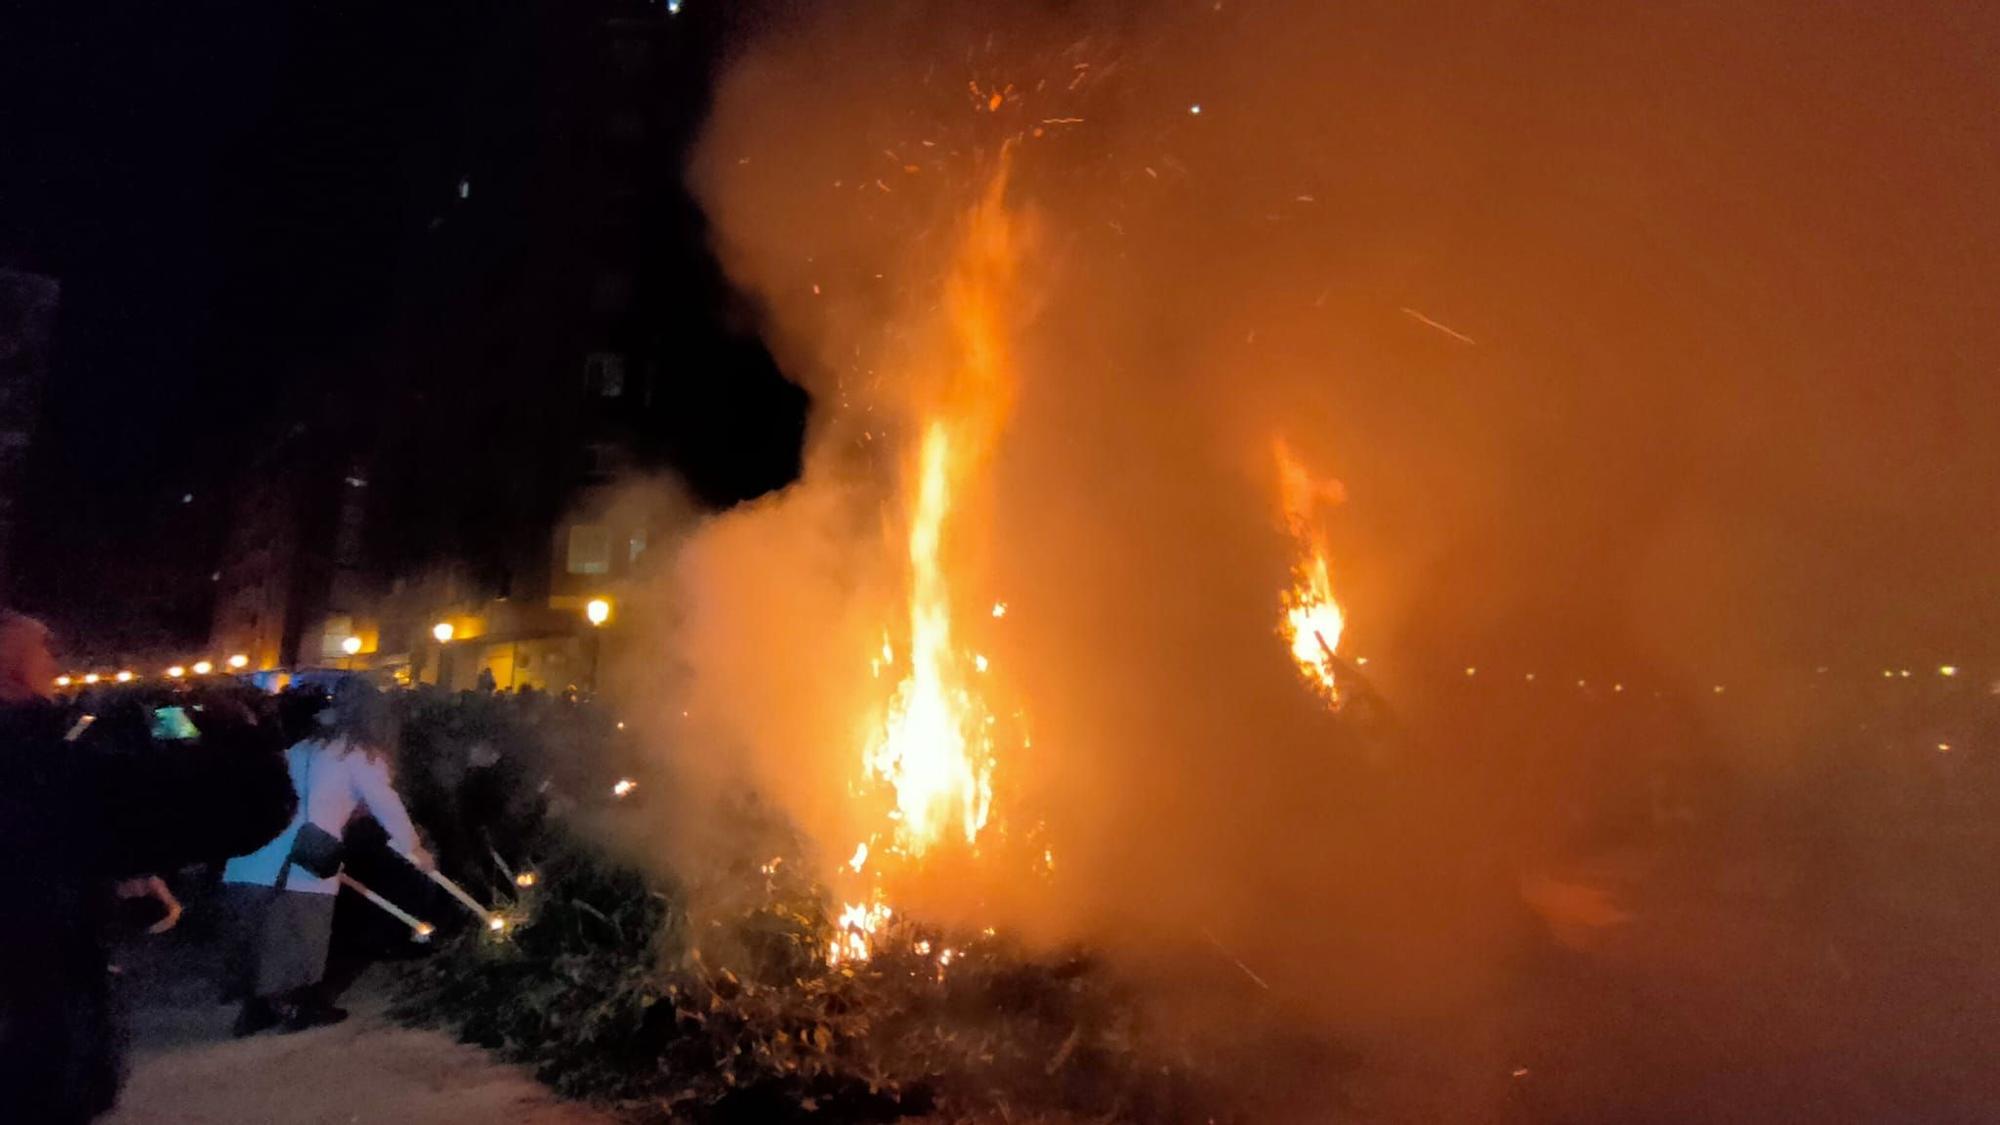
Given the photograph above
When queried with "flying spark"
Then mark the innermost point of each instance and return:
(1444, 328)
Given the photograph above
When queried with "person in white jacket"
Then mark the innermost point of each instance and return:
(280, 914)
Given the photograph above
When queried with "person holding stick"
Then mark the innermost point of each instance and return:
(280, 899)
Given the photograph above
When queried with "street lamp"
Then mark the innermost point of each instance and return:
(176, 672)
(238, 661)
(91, 678)
(351, 646)
(123, 677)
(64, 681)
(596, 611)
(443, 632)
(203, 667)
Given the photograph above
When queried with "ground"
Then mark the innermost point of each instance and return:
(187, 1070)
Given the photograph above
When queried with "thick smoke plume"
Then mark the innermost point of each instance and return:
(1596, 325)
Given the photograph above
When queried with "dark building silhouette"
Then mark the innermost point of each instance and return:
(552, 322)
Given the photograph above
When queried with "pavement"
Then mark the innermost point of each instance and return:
(185, 1069)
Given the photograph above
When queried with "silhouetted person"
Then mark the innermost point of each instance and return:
(87, 801)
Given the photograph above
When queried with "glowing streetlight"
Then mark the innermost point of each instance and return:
(239, 661)
(176, 672)
(91, 678)
(1947, 669)
(444, 632)
(123, 677)
(597, 611)
(624, 787)
(203, 667)
(351, 646)
(64, 681)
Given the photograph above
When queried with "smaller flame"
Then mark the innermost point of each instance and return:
(860, 856)
(855, 931)
(1313, 620)
(624, 787)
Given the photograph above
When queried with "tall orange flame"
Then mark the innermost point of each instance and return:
(934, 748)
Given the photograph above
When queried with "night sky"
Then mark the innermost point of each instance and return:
(230, 195)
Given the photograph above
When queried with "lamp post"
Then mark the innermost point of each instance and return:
(443, 632)
(597, 611)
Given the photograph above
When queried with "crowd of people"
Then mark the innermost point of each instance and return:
(263, 810)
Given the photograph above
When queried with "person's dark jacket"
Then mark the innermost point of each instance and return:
(76, 815)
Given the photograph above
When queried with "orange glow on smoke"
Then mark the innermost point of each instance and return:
(1312, 620)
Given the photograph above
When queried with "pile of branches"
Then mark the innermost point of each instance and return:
(608, 987)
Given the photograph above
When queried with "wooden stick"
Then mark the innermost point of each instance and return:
(458, 893)
(500, 863)
(419, 928)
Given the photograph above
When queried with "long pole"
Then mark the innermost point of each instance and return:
(458, 893)
(419, 929)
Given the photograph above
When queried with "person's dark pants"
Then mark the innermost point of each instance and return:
(275, 941)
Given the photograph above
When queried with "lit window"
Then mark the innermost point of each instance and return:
(589, 549)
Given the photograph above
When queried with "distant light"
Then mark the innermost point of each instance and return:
(176, 672)
(621, 724)
(624, 787)
(64, 681)
(425, 929)
(91, 678)
(203, 667)
(1195, 109)
(444, 632)
(351, 646)
(525, 879)
(496, 923)
(1617, 687)
(1531, 677)
(1360, 661)
(1947, 669)
(1944, 747)
(465, 187)
(999, 609)
(187, 497)
(1905, 673)
(1718, 689)
(673, 7)
(239, 661)
(1471, 671)
(123, 677)
(597, 611)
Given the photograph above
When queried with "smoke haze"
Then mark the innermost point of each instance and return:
(1654, 351)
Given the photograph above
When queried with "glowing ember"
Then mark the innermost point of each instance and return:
(624, 787)
(525, 879)
(1313, 619)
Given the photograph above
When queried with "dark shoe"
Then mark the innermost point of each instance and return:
(314, 1015)
(255, 1017)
